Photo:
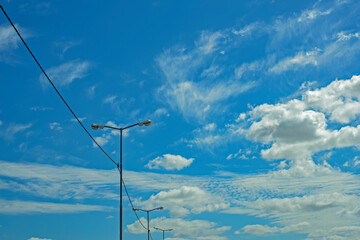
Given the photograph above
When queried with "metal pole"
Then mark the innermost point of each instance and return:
(121, 184)
(163, 234)
(148, 224)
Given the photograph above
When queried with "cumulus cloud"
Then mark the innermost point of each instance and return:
(185, 200)
(66, 73)
(197, 229)
(102, 141)
(170, 162)
(299, 128)
(340, 99)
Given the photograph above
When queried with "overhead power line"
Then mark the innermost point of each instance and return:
(52, 84)
(132, 206)
(68, 106)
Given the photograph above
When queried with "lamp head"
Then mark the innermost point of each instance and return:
(146, 123)
(96, 126)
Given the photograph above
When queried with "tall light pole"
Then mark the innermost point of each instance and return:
(163, 230)
(119, 165)
(148, 211)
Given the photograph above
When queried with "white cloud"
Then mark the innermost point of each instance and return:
(66, 73)
(310, 203)
(110, 99)
(289, 28)
(212, 72)
(241, 154)
(55, 126)
(185, 200)
(91, 91)
(36, 238)
(66, 45)
(102, 141)
(40, 108)
(259, 230)
(170, 162)
(312, 14)
(8, 38)
(286, 197)
(342, 36)
(209, 41)
(161, 112)
(14, 129)
(58, 182)
(80, 118)
(210, 127)
(197, 229)
(339, 99)
(262, 230)
(192, 85)
(241, 117)
(29, 207)
(247, 30)
(301, 59)
(296, 130)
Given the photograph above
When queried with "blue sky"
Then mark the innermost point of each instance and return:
(254, 108)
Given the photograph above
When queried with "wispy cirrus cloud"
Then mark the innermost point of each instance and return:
(64, 74)
(36, 238)
(8, 38)
(196, 94)
(13, 129)
(198, 84)
(301, 59)
(31, 207)
(301, 192)
(9, 41)
(66, 45)
(263, 230)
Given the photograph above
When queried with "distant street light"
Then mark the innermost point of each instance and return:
(163, 230)
(148, 211)
(119, 165)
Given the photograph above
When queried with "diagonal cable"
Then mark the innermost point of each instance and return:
(132, 206)
(52, 84)
(67, 105)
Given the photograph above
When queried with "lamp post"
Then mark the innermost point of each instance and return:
(148, 211)
(163, 230)
(119, 165)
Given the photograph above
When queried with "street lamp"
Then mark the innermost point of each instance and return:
(163, 230)
(119, 165)
(148, 211)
